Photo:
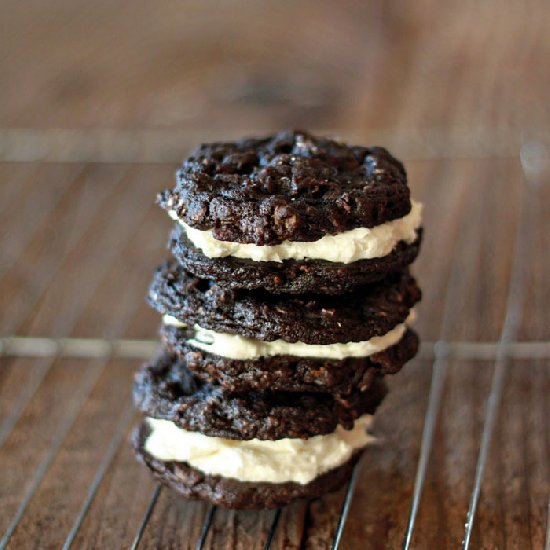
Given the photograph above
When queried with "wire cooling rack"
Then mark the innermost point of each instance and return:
(102, 350)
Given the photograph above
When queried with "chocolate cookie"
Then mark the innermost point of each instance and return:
(289, 186)
(290, 276)
(167, 389)
(231, 493)
(372, 310)
(288, 373)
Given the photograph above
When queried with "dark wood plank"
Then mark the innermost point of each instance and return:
(445, 188)
(175, 523)
(24, 448)
(25, 282)
(535, 325)
(15, 182)
(231, 529)
(28, 205)
(98, 250)
(514, 501)
(14, 375)
(291, 529)
(64, 487)
(118, 507)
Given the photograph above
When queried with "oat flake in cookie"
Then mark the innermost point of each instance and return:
(293, 213)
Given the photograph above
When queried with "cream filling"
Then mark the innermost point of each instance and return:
(235, 346)
(280, 461)
(361, 243)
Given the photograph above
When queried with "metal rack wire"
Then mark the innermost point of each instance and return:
(104, 349)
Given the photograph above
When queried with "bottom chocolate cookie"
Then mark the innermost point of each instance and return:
(231, 493)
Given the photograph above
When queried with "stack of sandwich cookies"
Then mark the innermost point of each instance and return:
(286, 305)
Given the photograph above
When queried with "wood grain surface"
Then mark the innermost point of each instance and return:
(99, 102)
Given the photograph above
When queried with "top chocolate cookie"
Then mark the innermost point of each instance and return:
(291, 186)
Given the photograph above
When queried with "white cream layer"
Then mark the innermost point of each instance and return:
(349, 246)
(234, 346)
(280, 461)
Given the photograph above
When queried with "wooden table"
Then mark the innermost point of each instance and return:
(97, 105)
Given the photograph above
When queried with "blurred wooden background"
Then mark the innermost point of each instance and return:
(100, 101)
(148, 79)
